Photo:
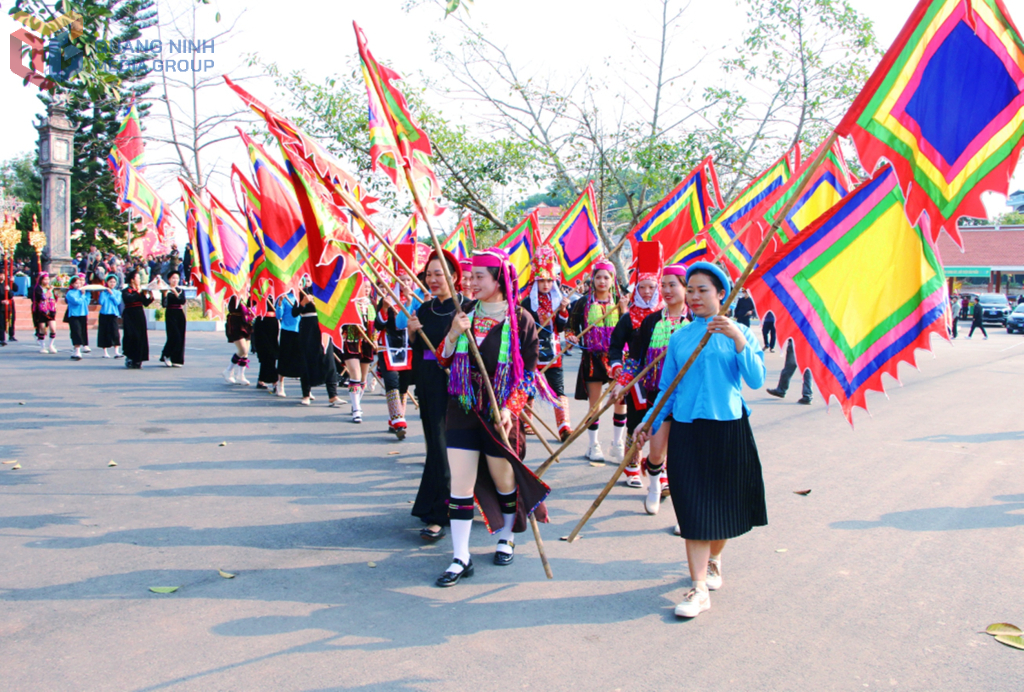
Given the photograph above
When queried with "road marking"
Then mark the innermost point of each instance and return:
(1014, 346)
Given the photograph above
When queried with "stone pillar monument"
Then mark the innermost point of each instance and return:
(56, 158)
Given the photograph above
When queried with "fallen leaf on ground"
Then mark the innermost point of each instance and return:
(15, 467)
(391, 454)
(781, 550)
(112, 463)
(565, 538)
(12, 461)
(1002, 628)
(805, 493)
(1010, 640)
(597, 463)
(223, 444)
(164, 589)
(21, 403)
(226, 575)
(371, 564)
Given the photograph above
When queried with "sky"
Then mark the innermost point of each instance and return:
(572, 35)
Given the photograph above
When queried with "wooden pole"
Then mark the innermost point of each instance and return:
(663, 397)
(546, 426)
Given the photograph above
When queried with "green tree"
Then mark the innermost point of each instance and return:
(798, 69)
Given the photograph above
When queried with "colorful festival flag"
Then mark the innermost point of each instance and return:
(519, 244)
(575, 238)
(724, 234)
(198, 225)
(396, 140)
(946, 108)
(128, 139)
(284, 233)
(233, 242)
(408, 233)
(334, 272)
(820, 190)
(326, 166)
(262, 284)
(141, 198)
(858, 292)
(459, 243)
(676, 220)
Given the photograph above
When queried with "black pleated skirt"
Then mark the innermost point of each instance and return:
(79, 328)
(289, 355)
(714, 474)
(108, 334)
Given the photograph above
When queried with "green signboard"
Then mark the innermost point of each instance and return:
(969, 272)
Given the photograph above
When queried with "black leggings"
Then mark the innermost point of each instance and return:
(977, 325)
(768, 332)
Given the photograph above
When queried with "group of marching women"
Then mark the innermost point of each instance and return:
(476, 403)
(126, 305)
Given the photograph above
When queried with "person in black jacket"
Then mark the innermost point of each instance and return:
(744, 308)
(977, 319)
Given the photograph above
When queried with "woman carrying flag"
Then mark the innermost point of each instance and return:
(173, 302)
(649, 342)
(482, 467)
(645, 299)
(592, 320)
(433, 319)
(714, 469)
(289, 352)
(238, 329)
(111, 305)
(549, 308)
(395, 359)
(264, 343)
(318, 366)
(357, 350)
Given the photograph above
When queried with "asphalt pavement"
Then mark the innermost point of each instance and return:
(910, 543)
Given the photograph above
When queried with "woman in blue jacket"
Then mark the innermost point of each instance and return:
(713, 467)
(111, 305)
(78, 315)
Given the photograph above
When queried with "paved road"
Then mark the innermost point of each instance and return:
(911, 541)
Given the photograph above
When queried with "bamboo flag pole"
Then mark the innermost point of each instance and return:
(663, 397)
(495, 412)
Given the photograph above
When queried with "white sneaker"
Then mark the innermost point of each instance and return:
(167, 363)
(279, 391)
(595, 453)
(53, 349)
(86, 349)
(618, 451)
(714, 578)
(652, 503)
(44, 350)
(240, 377)
(693, 604)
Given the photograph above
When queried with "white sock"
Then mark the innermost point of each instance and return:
(106, 352)
(618, 434)
(78, 351)
(117, 350)
(353, 397)
(506, 532)
(460, 540)
(593, 436)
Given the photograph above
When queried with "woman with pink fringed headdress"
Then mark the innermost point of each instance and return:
(44, 313)
(482, 467)
(597, 313)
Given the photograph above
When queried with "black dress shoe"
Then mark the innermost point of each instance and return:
(776, 392)
(428, 535)
(501, 558)
(452, 578)
(805, 401)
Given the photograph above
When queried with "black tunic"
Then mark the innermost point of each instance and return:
(532, 490)
(317, 363)
(136, 338)
(174, 324)
(236, 326)
(264, 344)
(431, 382)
